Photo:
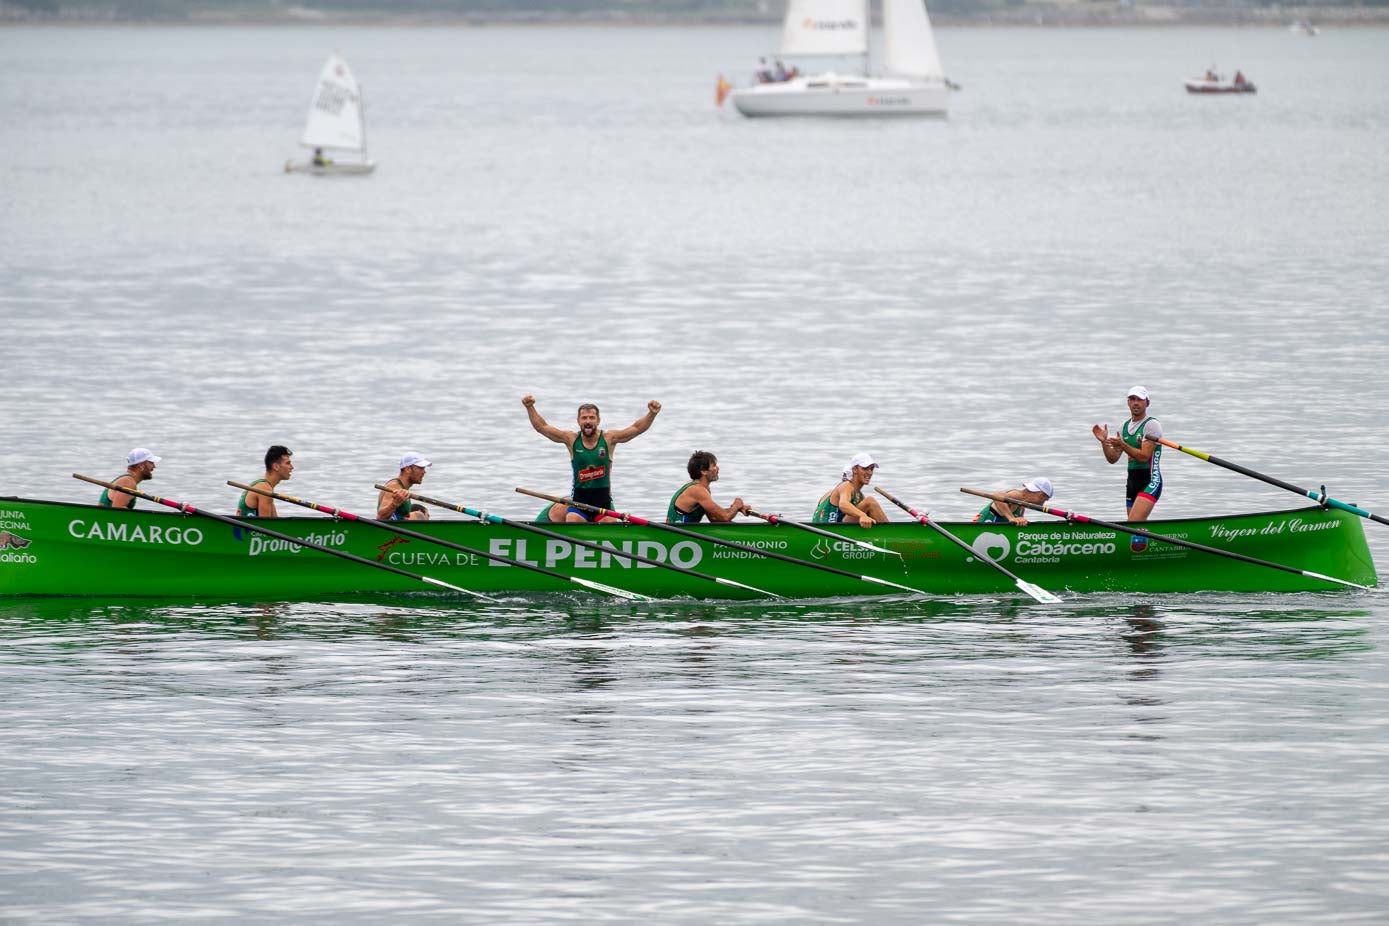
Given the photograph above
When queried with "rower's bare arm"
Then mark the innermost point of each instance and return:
(842, 501)
(640, 426)
(1141, 454)
(713, 509)
(558, 435)
(118, 498)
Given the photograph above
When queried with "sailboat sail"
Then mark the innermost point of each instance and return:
(335, 114)
(825, 27)
(910, 47)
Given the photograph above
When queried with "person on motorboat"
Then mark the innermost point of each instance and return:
(1239, 79)
(590, 452)
(1212, 76)
(692, 502)
(845, 503)
(1137, 441)
(278, 468)
(139, 466)
(318, 159)
(1036, 491)
(395, 503)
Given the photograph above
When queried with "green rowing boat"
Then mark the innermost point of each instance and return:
(57, 548)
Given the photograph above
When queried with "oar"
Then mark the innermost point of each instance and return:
(246, 524)
(1036, 591)
(1109, 525)
(1319, 497)
(404, 532)
(637, 557)
(778, 519)
(643, 522)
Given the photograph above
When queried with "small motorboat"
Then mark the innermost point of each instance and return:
(1212, 82)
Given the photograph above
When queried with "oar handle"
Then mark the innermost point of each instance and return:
(138, 493)
(591, 509)
(312, 506)
(901, 504)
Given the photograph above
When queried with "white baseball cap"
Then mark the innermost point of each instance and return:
(140, 455)
(414, 459)
(1040, 484)
(862, 459)
(1140, 392)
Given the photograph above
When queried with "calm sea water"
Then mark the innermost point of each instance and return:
(564, 212)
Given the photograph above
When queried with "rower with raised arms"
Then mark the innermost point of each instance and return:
(692, 502)
(846, 503)
(395, 504)
(278, 468)
(1138, 441)
(139, 466)
(590, 452)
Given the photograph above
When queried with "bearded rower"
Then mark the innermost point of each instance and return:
(139, 466)
(590, 452)
(692, 502)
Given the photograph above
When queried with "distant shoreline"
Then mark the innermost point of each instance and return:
(1067, 15)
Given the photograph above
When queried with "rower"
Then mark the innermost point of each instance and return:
(590, 452)
(278, 467)
(692, 502)
(396, 504)
(139, 466)
(845, 503)
(1034, 491)
(1138, 441)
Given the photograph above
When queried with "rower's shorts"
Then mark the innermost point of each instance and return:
(1143, 483)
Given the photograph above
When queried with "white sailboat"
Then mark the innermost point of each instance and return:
(912, 82)
(335, 124)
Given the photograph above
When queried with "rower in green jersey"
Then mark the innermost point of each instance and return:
(1138, 441)
(590, 452)
(1036, 491)
(396, 504)
(139, 466)
(278, 468)
(846, 503)
(692, 502)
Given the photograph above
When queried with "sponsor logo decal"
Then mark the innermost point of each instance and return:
(257, 544)
(592, 472)
(385, 548)
(11, 542)
(1039, 547)
(985, 544)
(846, 549)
